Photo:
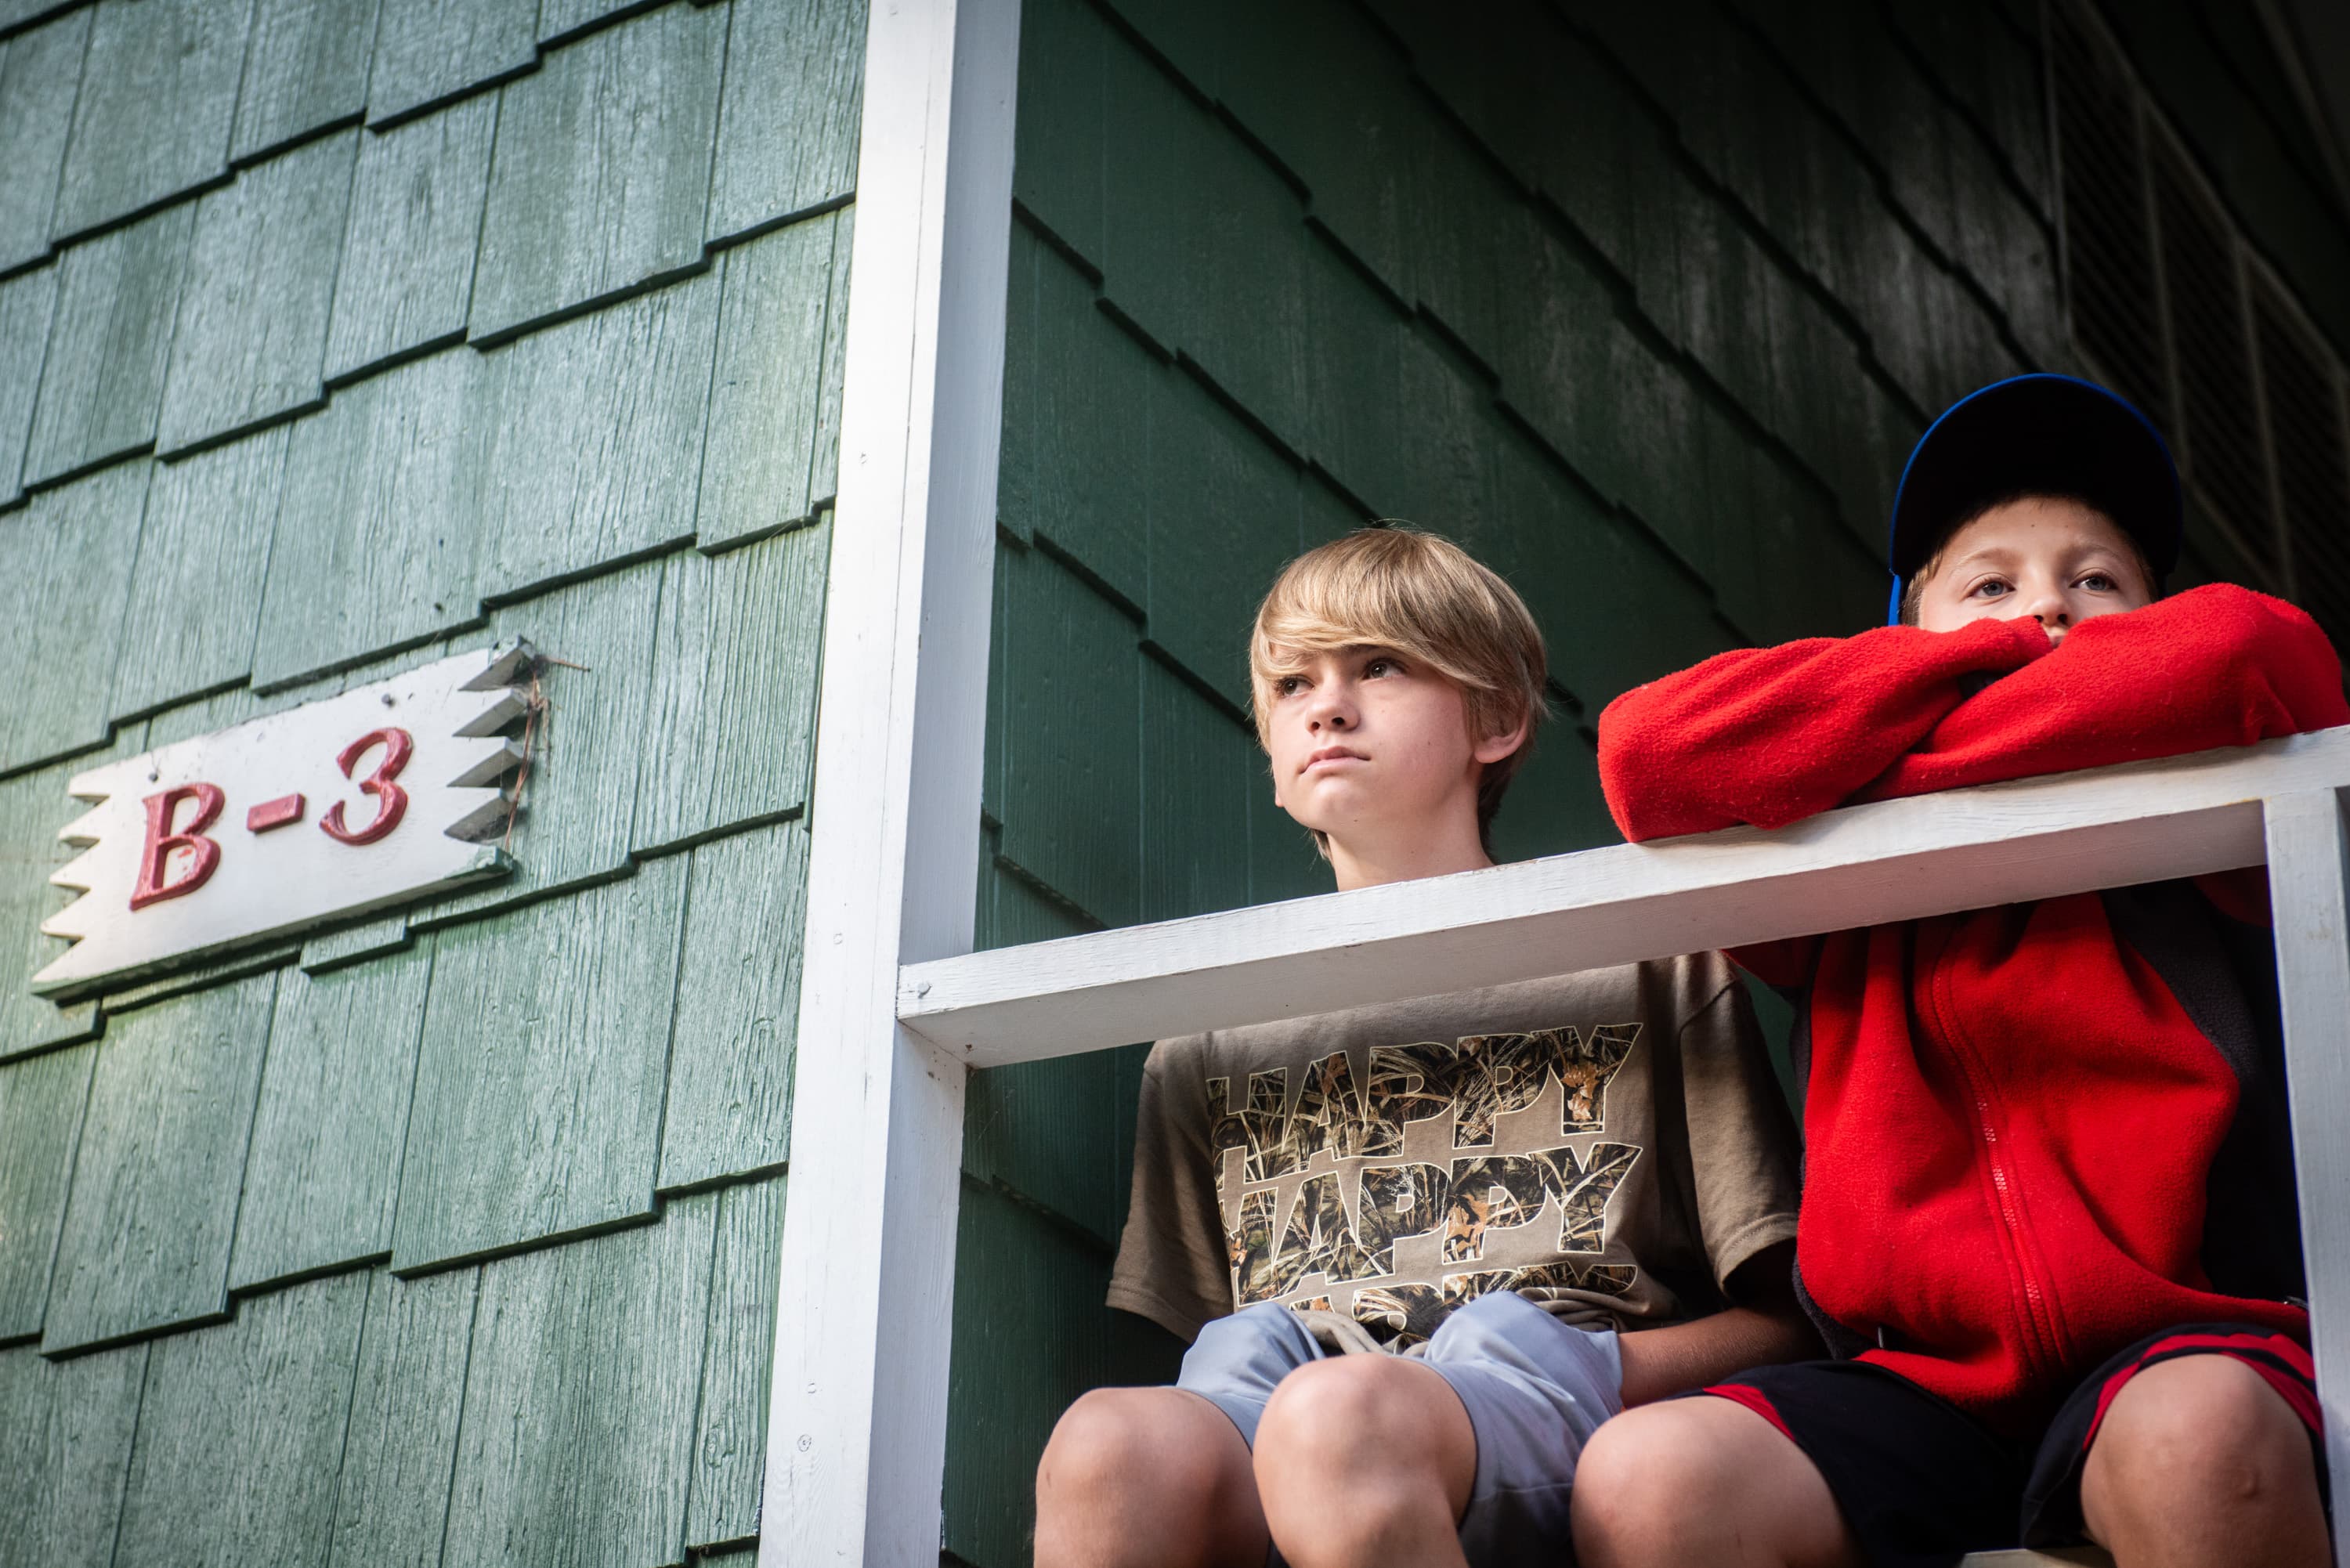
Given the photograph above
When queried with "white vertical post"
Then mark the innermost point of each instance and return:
(856, 1425)
(2309, 890)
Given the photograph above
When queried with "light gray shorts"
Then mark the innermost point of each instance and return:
(1536, 1390)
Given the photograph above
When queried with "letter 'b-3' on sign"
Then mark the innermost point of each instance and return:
(380, 797)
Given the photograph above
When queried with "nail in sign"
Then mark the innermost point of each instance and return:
(382, 796)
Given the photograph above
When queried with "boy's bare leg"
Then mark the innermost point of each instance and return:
(2199, 1461)
(1366, 1460)
(1146, 1477)
(1703, 1481)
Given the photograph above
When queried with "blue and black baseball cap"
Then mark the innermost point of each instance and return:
(2054, 434)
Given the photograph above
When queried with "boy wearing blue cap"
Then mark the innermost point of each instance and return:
(2049, 1223)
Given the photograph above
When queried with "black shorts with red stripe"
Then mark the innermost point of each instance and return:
(1922, 1483)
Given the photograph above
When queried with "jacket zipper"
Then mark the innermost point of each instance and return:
(2035, 1340)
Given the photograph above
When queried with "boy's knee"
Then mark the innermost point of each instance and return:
(2196, 1433)
(1639, 1463)
(1117, 1440)
(1330, 1407)
(1765, 1501)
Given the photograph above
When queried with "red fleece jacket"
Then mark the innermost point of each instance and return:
(2009, 1120)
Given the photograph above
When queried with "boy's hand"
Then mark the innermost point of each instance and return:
(1766, 1326)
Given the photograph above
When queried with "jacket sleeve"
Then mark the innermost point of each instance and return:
(1770, 736)
(2216, 666)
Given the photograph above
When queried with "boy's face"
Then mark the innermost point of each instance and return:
(2047, 557)
(1366, 743)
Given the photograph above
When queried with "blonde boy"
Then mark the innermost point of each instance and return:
(1408, 1243)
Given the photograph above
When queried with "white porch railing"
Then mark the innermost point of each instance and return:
(2279, 803)
(890, 1019)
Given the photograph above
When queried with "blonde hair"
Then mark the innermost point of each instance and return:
(1431, 601)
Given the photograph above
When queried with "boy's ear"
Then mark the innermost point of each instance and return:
(1495, 747)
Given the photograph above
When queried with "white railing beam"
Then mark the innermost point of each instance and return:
(2309, 893)
(1896, 860)
(857, 1422)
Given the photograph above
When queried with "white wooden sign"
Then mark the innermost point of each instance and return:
(379, 797)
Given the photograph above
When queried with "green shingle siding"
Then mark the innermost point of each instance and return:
(251, 336)
(408, 1393)
(232, 1420)
(322, 1172)
(39, 72)
(729, 1109)
(305, 67)
(774, 394)
(403, 415)
(65, 1450)
(152, 1212)
(601, 179)
(61, 602)
(406, 280)
(203, 542)
(41, 1102)
(577, 1438)
(429, 51)
(110, 344)
(158, 98)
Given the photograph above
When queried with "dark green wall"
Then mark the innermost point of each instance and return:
(332, 343)
(1643, 304)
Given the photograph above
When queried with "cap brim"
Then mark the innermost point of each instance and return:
(2048, 433)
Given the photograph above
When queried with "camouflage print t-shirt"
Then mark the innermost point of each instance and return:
(1612, 1139)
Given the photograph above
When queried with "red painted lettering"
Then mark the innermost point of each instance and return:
(390, 800)
(155, 880)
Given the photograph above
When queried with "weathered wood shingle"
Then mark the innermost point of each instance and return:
(428, 51)
(305, 67)
(26, 301)
(61, 608)
(593, 456)
(1073, 738)
(578, 1434)
(538, 1097)
(205, 543)
(158, 97)
(601, 177)
(322, 1176)
(780, 315)
(64, 1449)
(730, 1440)
(234, 1426)
(41, 1101)
(787, 129)
(145, 1243)
(734, 688)
(40, 71)
(252, 329)
(732, 1045)
(110, 342)
(392, 1505)
(407, 275)
(374, 547)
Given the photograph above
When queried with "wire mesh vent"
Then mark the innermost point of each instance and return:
(2313, 470)
(2109, 280)
(2218, 422)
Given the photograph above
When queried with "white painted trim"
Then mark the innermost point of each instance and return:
(857, 1426)
(2309, 892)
(1892, 861)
